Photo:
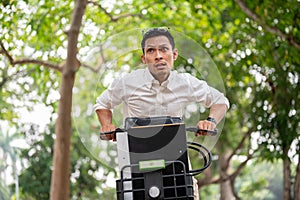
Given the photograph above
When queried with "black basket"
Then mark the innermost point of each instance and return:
(173, 182)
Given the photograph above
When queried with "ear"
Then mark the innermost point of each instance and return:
(175, 54)
(143, 59)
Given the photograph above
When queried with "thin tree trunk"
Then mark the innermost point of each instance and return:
(286, 179)
(223, 168)
(207, 176)
(225, 186)
(297, 181)
(60, 180)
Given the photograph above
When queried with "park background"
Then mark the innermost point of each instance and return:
(53, 65)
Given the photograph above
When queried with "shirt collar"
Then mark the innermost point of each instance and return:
(150, 80)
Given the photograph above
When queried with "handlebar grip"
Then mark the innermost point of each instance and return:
(103, 134)
(112, 132)
(108, 132)
(196, 130)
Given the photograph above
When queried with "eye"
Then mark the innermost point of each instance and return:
(150, 50)
(164, 49)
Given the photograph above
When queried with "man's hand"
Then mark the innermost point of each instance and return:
(108, 128)
(217, 112)
(105, 119)
(205, 125)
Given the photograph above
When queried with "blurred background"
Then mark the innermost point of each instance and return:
(53, 65)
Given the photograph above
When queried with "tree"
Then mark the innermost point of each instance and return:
(279, 81)
(254, 45)
(63, 127)
(60, 178)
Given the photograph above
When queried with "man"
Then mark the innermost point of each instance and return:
(157, 90)
(145, 91)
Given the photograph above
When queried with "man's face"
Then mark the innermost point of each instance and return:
(159, 57)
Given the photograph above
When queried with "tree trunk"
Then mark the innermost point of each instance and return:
(61, 161)
(225, 187)
(207, 176)
(297, 181)
(223, 167)
(226, 191)
(286, 178)
(60, 180)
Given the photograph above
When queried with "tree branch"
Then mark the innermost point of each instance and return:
(114, 18)
(241, 166)
(233, 175)
(93, 69)
(21, 61)
(101, 60)
(239, 146)
(230, 177)
(6, 78)
(270, 29)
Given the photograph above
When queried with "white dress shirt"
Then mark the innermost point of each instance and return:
(143, 96)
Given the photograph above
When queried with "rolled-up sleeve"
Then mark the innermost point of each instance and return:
(110, 97)
(205, 94)
(216, 97)
(103, 101)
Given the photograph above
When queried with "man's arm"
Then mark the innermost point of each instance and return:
(217, 112)
(105, 119)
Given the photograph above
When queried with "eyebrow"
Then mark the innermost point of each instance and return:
(161, 45)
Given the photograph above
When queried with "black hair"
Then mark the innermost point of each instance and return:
(153, 32)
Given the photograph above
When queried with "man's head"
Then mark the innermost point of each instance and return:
(157, 32)
(159, 53)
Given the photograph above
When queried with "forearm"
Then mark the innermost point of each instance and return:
(105, 119)
(218, 111)
(104, 116)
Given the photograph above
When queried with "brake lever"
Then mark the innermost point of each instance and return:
(197, 130)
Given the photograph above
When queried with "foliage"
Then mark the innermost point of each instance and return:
(4, 191)
(261, 181)
(36, 177)
(9, 157)
(254, 47)
(28, 82)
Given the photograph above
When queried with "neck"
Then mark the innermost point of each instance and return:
(161, 78)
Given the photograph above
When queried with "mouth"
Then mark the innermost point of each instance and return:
(160, 64)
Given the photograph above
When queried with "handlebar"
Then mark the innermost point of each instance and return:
(103, 134)
(113, 132)
(193, 129)
(206, 132)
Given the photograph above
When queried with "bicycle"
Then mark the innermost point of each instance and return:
(153, 158)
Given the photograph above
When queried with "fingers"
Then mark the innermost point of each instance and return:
(201, 133)
(107, 136)
(108, 128)
(206, 125)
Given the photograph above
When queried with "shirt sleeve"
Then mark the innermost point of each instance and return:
(205, 94)
(110, 97)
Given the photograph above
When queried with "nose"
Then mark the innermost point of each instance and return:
(158, 55)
